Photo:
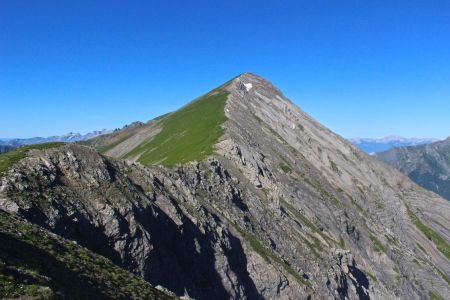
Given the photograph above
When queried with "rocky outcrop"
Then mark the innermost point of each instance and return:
(285, 209)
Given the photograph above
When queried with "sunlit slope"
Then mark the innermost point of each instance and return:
(188, 134)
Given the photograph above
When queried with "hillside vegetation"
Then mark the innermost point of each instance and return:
(188, 134)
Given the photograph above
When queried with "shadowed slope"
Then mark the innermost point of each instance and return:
(34, 263)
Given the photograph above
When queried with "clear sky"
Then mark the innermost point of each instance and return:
(362, 68)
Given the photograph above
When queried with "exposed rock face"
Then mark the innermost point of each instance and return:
(427, 165)
(285, 209)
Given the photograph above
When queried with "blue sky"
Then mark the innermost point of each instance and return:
(362, 68)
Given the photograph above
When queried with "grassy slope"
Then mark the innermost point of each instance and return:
(37, 264)
(432, 235)
(10, 158)
(188, 134)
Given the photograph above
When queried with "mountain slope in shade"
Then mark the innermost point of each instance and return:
(371, 146)
(36, 264)
(427, 165)
(281, 208)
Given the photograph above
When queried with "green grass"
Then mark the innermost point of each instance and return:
(334, 166)
(255, 244)
(300, 217)
(442, 274)
(434, 296)
(323, 193)
(285, 167)
(371, 276)
(189, 134)
(10, 158)
(432, 235)
(311, 247)
(391, 240)
(268, 256)
(377, 245)
(36, 264)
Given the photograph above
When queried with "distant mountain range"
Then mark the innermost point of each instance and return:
(6, 148)
(369, 145)
(427, 165)
(66, 138)
(373, 145)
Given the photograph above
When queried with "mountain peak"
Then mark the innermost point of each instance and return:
(248, 75)
(245, 184)
(248, 78)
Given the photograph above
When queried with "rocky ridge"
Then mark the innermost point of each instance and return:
(285, 209)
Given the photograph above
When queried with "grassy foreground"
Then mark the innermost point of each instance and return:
(188, 134)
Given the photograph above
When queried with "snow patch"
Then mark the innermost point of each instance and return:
(248, 86)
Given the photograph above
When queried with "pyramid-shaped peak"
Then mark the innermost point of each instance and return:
(251, 77)
(253, 81)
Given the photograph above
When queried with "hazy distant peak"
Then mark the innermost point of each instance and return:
(373, 145)
(66, 138)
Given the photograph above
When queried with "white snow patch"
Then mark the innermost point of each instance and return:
(248, 86)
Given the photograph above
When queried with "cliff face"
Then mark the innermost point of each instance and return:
(283, 209)
(426, 165)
